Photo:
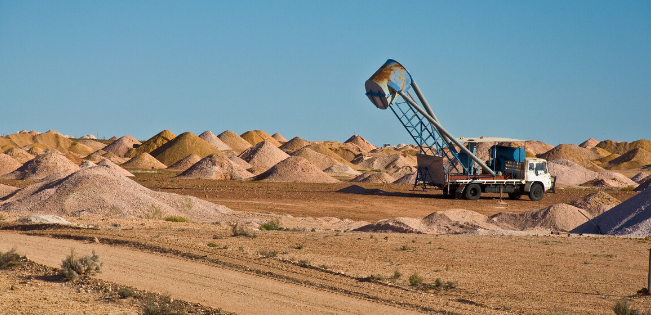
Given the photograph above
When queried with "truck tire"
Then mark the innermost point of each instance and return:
(536, 192)
(515, 196)
(472, 192)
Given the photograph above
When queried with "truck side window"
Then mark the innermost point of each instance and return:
(531, 166)
(542, 167)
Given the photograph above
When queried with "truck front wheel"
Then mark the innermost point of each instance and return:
(536, 192)
(472, 192)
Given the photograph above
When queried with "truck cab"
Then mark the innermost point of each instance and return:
(537, 178)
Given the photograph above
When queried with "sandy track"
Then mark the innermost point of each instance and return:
(195, 282)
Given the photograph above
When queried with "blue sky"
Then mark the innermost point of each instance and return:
(554, 71)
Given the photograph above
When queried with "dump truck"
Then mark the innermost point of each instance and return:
(451, 164)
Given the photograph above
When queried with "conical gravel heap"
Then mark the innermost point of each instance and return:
(182, 146)
(99, 191)
(341, 170)
(361, 143)
(263, 155)
(559, 217)
(120, 146)
(295, 169)
(210, 137)
(374, 177)
(589, 144)
(319, 160)
(279, 138)
(234, 141)
(216, 166)
(294, 145)
(632, 218)
(114, 167)
(185, 163)
(19, 155)
(46, 164)
(8, 164)
(144, 161)
(596, 203)
(152, 143)
(632, 159)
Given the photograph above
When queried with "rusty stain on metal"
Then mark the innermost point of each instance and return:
(377, 86)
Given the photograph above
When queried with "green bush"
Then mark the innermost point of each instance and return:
(271, 225)
(163, 306)
(268, 253)
(415, 279)
(211, 244)
(9, 259)
(73, 267)
(176, 218)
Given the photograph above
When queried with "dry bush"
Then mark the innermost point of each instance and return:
(9, 259)
(73, 267)
(271, 225)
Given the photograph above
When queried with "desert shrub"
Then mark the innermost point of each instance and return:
(239, 230)
(304, 262)
(268, 253)
(299, 246)
(126, 292)
(396, 275)
(176, 218)
(163, 306)
(628, 188)
(9, 259)
(2, 217)
(415, 279)
(271, 225)
(405, 248)
(211, 244)
(73, 267)
(438, 282)
(622, 308)
(155, 212)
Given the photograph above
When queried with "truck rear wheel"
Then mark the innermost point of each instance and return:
(536, 192)
(472, 192)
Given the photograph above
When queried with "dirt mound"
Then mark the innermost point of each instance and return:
(605, 183)
(89, 136)
(558, 217)
(114, 158)
(341, 170)
(19, 155)
(185, 163)
(589, 144)
(234, 141)
(639, 177)
(6, 144)
(452, 221)
(267, 137)
(115, 167)
(409, 179)
(575, 154)
(361, 143)
(86, 164)
(646, 183)
(319, 160)
(94, 145)
(185, 144)
(216, 166)
(55, 140)
(608, 158)
(120, 146)
(100, 191)
(295, 169)
(6, 190)
(329, 150)
(635, 158)
(8, 164)
(395, 225)
(252, 137)
(294, 145)
(390, 163)
(238, 161)
(374, 177)
(113, 138)
(263, 155)
(151, 144)
(279, 138)
(210, 137)
(49, 163)
(631, 218)
(569, 173)
(144, 161)
(623, 147)
(596, 203)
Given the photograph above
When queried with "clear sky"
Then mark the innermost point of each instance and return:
(554, 71)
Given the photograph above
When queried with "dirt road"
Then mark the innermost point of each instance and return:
(196, 282)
